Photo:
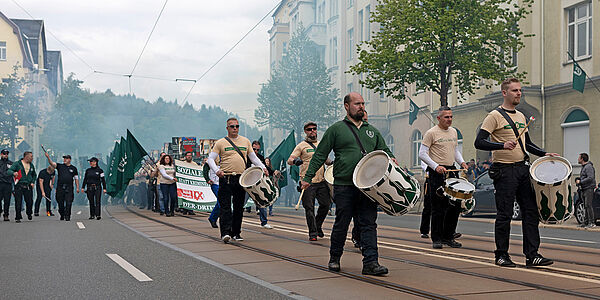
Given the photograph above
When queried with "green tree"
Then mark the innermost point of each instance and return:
(299, 89)
(435, 42)
(20, 106)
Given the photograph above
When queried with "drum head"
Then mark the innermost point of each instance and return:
(370, 169)
(329, 175)
(459, 184)
(251, 176)
(550, 170)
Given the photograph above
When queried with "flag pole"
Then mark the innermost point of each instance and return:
(586, 75)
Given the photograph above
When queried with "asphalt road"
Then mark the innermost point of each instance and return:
(51, 259)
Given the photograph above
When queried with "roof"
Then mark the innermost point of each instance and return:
(31, 32)
(27, 60)
(281, 4)
(55, 73)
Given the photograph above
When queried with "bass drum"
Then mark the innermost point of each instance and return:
(550, 177)
(329, 179)
(380, 179)
(260, 187)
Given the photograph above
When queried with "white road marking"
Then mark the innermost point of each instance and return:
(80, 225)
(552, 238)
(79, 212)
(137, 274)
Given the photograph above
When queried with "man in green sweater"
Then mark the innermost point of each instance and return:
(24, 187)
(348, 199)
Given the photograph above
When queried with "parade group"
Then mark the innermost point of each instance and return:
(350, 140)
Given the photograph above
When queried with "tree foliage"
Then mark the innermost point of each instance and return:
(434, 42)
(91, 121)
(19, 104)
(299, 89)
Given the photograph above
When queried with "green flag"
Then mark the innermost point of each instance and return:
(111, 184)
(413, 111)
(262, 146)
(281, 154)
(122, 181)
(135, 156)
(578, 77)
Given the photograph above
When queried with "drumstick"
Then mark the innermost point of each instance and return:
(299, 200)
(457, 170)
(531, 119)
(43, 148)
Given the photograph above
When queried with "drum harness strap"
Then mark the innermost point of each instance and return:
(514, 128)
(238, 150)
(362, 149)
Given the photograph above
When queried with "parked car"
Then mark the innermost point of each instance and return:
(485, 201)
(580, 209)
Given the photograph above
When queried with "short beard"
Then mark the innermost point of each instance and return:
(358, 116)
(312, 140)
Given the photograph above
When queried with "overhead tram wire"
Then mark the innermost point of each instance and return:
(146, 44)
(226, 53)
(55, 37)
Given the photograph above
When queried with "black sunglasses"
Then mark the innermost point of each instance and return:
(311, 129)
(234, 126)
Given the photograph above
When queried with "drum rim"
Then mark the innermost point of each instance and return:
(245, 173)
(463, 181)
(325, 174)
(362, 162)
(548, 158)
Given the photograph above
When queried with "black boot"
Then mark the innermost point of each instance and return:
(334, 264)
(374, 268)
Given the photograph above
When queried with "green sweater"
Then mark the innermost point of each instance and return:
(26, 178)
(340, 139)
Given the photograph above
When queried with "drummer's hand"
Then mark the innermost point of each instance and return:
(220, 174)
(395, 161)
(266, 172)
(510, 145)
(440, 169)
(304, 185)
(464, 165)
(552, 154)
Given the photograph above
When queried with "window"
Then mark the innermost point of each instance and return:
(460, 140)
(350, 45)
(416, 139)
(333, 8)
(349, 88)
(284, 49)
(334, 52)
(360, 25)
(321, 12)
(368, 23)
(576, 135)
(390, 143)
(2, 50)
(579, 30)
(350, 2)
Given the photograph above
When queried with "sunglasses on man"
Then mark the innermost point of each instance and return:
(311, 129)
(234, 126)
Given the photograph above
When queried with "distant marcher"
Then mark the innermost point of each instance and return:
(262, 211)
(94, 185)
(24, 171)
(161, 201)
(6, 182)
(189, 158)
(43, 189)
(587, 184)
(168, 184)
(67, 173)
(211, 178)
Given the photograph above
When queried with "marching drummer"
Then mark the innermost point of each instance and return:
(439, 151)
(318, 189)
(350, 139)
(510, 172)
(234, 151)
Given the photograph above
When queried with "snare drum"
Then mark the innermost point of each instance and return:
(460, 192)
(382, 181)
(550, 177)
(260, 187)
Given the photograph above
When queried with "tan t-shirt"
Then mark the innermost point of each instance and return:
(501, 132)
(231, 161)
(170, 170)
(442, 144)
(305, 151)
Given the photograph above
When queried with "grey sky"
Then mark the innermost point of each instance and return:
(190, 36)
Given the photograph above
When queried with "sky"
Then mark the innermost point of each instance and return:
(190, 36)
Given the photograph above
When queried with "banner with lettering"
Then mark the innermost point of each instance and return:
(193, 192)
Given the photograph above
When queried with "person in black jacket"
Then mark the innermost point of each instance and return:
(5, 182)
(43, 189)
(93, 185)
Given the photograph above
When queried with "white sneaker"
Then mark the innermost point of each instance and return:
(226, 239)
(267, 226)
(591, 226)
